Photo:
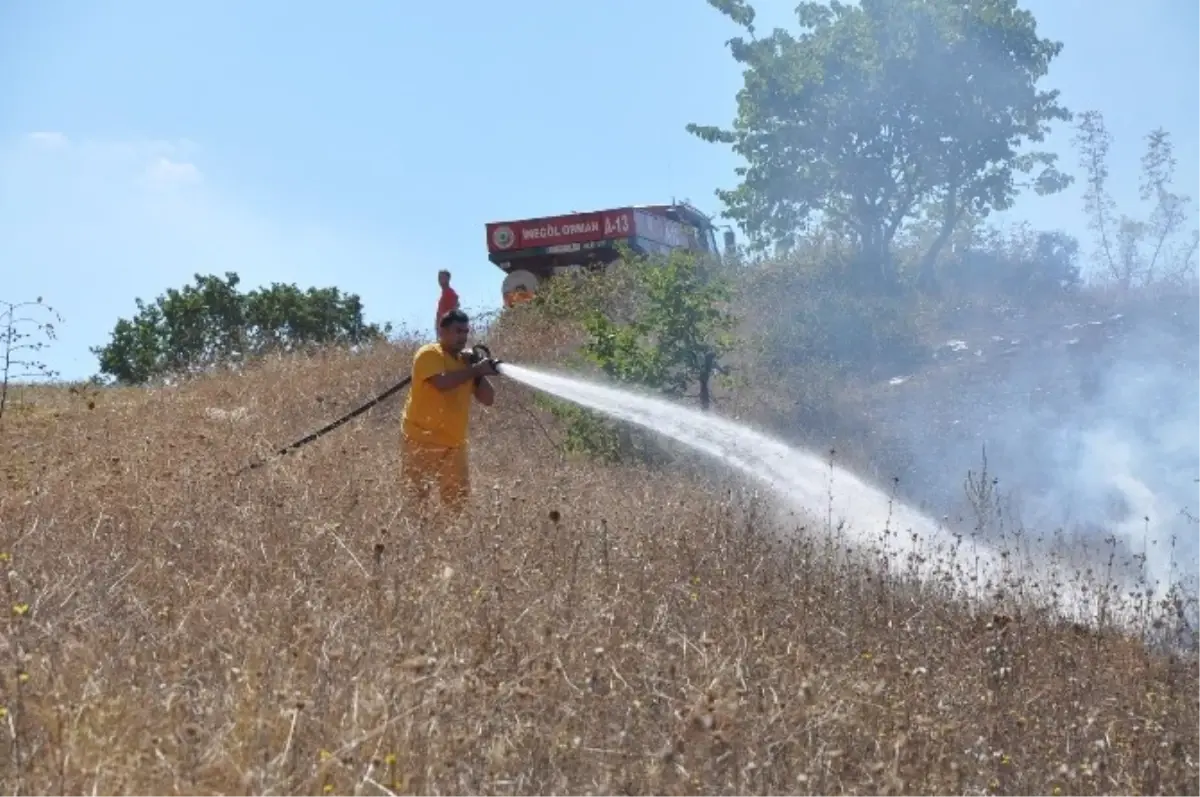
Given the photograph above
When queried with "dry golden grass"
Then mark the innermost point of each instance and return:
(176, 628)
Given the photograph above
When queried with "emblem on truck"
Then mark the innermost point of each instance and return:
(502, 237)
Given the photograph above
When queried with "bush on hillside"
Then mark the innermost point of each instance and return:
(662, 323)
(573, 294)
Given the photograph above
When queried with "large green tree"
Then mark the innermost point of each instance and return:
(210, 322)
(883, 112)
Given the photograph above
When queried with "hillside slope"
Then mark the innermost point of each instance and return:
(1084, 409)
(1089, 418)
(182, 629)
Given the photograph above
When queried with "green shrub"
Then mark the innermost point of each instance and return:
(657, 322)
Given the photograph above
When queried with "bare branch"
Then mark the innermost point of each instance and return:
(18, 331)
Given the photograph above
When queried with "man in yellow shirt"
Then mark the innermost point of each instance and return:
(437, 411)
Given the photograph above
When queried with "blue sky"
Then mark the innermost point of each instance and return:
(366, 144)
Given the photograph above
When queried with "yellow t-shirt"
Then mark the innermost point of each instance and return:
(433, 416)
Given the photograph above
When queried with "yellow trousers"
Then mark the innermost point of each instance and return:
(424, 467)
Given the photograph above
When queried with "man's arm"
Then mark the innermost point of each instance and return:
(485, 394)
(448, 380)
(427, 368)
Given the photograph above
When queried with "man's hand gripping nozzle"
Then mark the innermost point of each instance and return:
(480, 353)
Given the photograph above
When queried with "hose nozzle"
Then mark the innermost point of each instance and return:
(479, 353)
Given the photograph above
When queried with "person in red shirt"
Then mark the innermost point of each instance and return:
(448, 300)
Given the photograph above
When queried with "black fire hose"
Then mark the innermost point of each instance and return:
(329, 427)
(476, 354)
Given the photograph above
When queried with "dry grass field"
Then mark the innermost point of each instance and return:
(174, 627)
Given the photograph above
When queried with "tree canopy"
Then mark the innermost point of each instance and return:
(211, 322)
(883, 112)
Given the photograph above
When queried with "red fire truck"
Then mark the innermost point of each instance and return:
(531, 251)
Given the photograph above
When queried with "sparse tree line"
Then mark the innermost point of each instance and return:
(877, 140)
(1131, 251)
(210, 323)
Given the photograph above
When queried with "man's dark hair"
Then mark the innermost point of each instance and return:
(453, 317)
